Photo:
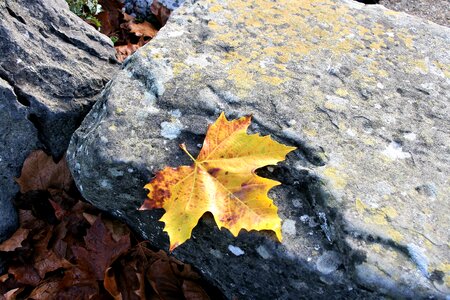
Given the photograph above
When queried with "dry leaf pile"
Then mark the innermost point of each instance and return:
(222, 181)
(128, 33)
(66, 249)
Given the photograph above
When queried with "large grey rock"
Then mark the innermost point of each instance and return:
(361, 90)
(52, 66)
(56, 63)
(18, 137)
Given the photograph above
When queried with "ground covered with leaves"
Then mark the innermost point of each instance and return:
(127, 32)
(67, 249)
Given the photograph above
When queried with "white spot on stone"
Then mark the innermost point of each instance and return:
(394, 151)
(297, 203)
(411, 136)
(236, 250)
(199, 145)
(201, 61)
(417, 254)
(304, 219)
(104, 183)
(103, 139)
(216, 253)
(328, 262)
(351, 133)
(377, 106)
(176, 113)
(130, 170)
(336, 101)
(80, 187)
(380, 85)
(292, 122)
(171, 130)
(149, 102)
(116, 173)
(288, 227)
(262, 251)
(176, 33)
(19, 61)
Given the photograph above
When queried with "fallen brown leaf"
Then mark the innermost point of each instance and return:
(145, 29)
(40, 172)
(125, 50)
(110, 17)
(15, 241)
(161, 12)
(110, 284)
(101, 248)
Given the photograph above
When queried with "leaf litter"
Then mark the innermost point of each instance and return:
(67, 249)
(126, 31)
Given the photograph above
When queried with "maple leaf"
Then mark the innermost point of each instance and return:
(40, 172)
(222, 180)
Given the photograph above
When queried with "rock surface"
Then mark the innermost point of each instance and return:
(52, 66)
(18, 138)
(141, 8)
(361, 90)
(56, 63)
(437, 11)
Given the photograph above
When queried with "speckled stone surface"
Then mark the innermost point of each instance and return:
(361, 90)
(437, 11)
(18, 139)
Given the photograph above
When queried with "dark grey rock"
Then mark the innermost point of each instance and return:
(56, 63)
(52, 67)
(362, 92)
(18, 137)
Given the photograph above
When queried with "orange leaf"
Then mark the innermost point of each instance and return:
(125, 50)
(110, 284)
(143, 29)
(222, 180)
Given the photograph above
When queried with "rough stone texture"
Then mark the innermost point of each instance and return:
(437, 11)
(141, 8)
(52, 67)
(55, 62)
(18, 137)
(361, 90)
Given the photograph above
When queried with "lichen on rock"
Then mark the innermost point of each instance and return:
(362, 92)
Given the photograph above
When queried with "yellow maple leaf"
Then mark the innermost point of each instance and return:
(222, 181)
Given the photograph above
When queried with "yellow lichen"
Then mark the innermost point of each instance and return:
(341, 92)
(390, 211)
(377, 218)
(309, 132)
(360, 206)
(337, 178)
(395, 235)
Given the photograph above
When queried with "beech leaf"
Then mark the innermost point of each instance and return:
(222, 181)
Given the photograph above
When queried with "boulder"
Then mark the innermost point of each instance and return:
(52, 67)
(56, 63)
(363, 93)
(18, 137)
(141, 8)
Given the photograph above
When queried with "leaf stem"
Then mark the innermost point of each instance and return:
(183, 147)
